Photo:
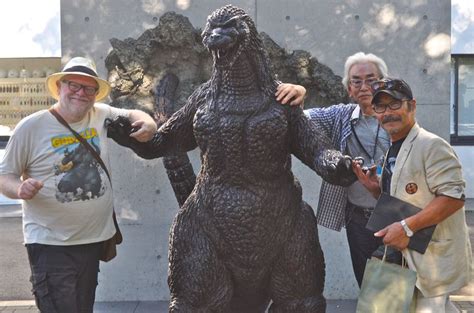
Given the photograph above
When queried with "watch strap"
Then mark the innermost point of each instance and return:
(407, 229)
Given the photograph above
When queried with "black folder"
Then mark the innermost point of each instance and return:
(389, 210)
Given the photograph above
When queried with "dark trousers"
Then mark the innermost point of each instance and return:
(362, 243)
(64, 278)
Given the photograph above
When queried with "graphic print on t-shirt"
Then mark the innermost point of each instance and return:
(78, 176)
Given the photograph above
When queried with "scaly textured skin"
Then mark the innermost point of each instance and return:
(244, 236)
(178, 167)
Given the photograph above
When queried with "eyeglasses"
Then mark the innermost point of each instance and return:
(394, 105)
(357, 83)
(75, 87)
(391, 84)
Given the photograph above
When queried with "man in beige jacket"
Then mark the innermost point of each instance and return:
(422, 169)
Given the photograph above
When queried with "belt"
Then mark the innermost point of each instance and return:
(367, 212)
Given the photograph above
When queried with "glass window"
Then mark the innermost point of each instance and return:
(462, 127)
(466, 97)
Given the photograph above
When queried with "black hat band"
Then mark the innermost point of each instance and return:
(83, 69)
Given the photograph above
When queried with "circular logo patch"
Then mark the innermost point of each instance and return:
(411, 188)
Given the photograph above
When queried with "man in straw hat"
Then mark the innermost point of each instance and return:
(67, 207)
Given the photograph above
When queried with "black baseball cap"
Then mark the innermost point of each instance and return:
(397, 88)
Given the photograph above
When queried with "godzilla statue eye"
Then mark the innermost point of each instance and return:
(230, 23)
(234, 21)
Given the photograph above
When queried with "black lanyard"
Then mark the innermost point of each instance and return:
(372, 157)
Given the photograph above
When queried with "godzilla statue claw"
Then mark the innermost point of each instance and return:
(339, 168)
(119, 129)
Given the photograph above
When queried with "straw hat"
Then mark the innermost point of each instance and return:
(78, 66)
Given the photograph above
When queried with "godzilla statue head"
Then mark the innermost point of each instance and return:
(230, 34)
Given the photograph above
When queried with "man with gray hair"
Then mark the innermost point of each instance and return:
(354, 130)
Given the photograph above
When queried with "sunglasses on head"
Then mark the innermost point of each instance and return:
(390, 84)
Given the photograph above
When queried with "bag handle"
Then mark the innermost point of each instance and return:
(404, 262)
(384, 254)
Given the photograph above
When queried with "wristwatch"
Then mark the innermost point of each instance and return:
(407, 229)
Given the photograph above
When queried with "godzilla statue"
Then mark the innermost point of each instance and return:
(243, 238)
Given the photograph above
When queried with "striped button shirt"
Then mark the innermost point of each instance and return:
(335, 121)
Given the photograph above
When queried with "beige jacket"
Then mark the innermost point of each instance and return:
(430, 162)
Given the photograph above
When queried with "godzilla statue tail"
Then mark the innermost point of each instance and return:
(178, 167)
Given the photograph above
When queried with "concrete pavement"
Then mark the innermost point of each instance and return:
(463, 305)
(333, 306)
